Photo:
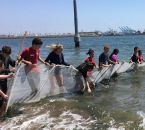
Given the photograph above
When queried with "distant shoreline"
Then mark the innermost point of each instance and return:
(62, 36)
(20, 37)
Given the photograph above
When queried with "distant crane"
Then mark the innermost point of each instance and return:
(127, 30)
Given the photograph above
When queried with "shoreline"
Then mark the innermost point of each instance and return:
(62, 36)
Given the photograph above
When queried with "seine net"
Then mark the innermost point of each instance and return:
(34, 83)
(105, 73)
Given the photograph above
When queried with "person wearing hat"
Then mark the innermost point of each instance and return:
(104, 58)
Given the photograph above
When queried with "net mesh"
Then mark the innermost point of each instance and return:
(34, 83)
(107, 72)
(125, 67)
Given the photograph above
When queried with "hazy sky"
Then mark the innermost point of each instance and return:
(56, 16)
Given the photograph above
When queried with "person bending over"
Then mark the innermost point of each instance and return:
(83, 70)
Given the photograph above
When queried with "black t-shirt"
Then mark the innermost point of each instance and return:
(134, 58)
(7, 61)
(3, 82)
(104, 58)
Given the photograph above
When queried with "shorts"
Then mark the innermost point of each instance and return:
(57, 71)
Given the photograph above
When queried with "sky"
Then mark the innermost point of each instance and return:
(56, 16)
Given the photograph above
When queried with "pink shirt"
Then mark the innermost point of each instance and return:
(115, 58)
(91, 61)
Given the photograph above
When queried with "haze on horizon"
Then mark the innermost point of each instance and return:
(56, 16)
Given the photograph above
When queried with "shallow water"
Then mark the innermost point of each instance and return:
(118, 105)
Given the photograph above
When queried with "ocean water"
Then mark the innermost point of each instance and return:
(119, 105)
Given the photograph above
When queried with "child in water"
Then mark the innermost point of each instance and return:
(85, 69)
(5, 57)
(30, 56)
(3, 76)
(104, 60)
(56, 57)
(140, 57)
(91, 59)
(114, 56)
(134, 57)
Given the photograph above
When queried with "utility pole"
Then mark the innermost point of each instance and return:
(76, 36)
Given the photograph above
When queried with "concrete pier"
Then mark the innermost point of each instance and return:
(76, 37)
